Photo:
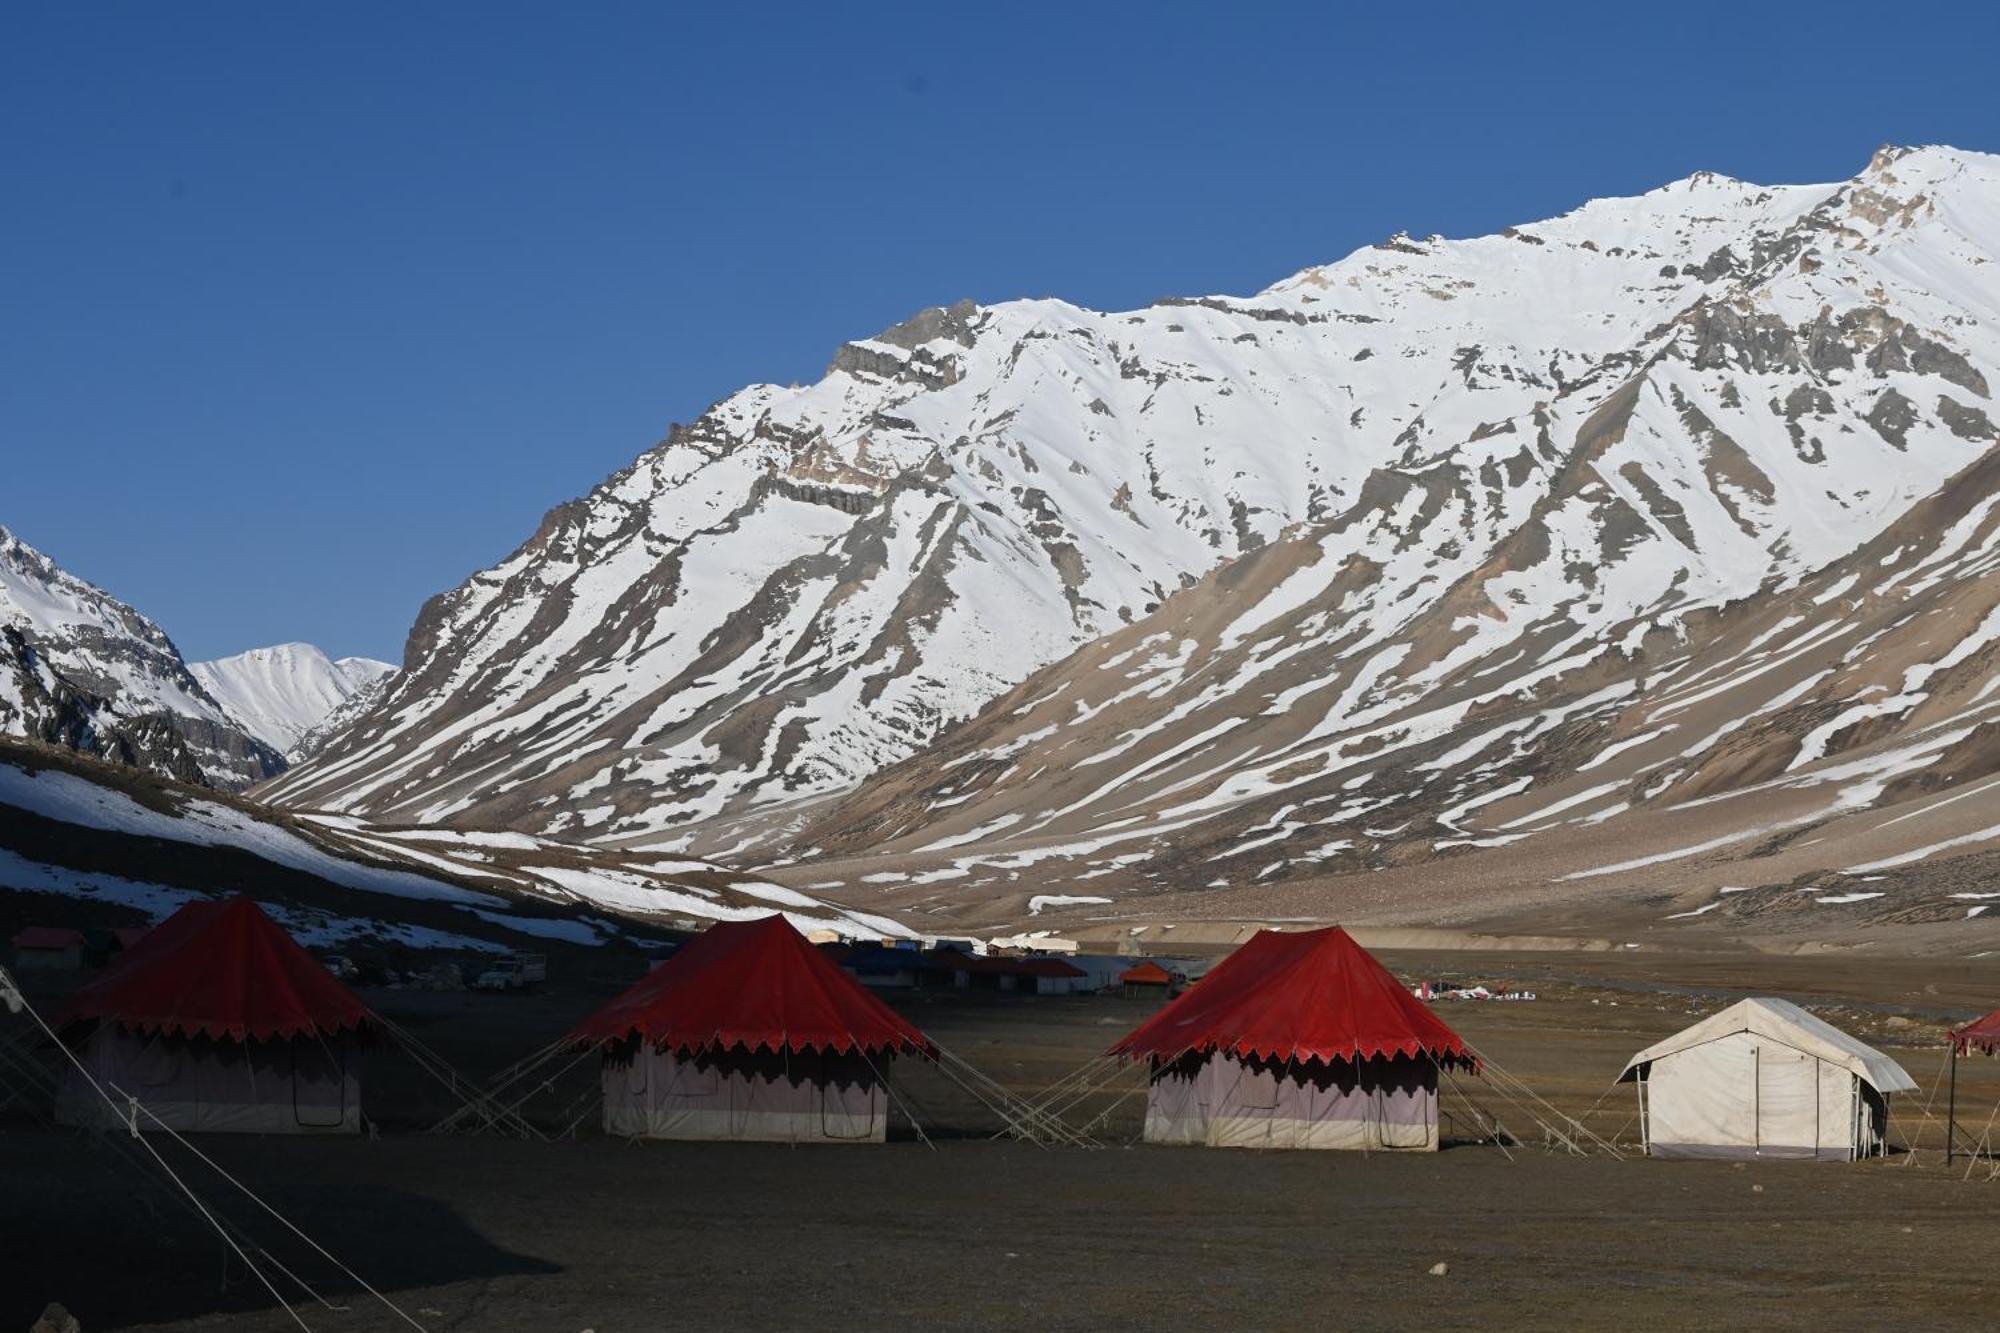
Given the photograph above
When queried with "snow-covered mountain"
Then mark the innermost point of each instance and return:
(283, 694)
(1410, 533)
(80, 668)
(112, 843)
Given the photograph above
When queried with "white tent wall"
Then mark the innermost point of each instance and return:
(1219, 1100)
(1745, 1095)
(301, 1086)
(760, 1097)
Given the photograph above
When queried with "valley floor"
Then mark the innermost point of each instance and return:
(597, 1234)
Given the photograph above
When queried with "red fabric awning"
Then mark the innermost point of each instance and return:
(1308, 995)
(219, 969)
(1982, 1034)
(756, 984)
(1146, 974)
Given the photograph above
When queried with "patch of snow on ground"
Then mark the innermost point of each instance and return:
(1040, 901)
(573, 932)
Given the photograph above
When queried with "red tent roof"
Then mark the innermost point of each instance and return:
(1146, 974)
(756, 984)
(1311, 995)
(46, 937)
(220, 969)
(1982, 1034)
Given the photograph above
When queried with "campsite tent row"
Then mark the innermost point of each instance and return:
(218, 1020)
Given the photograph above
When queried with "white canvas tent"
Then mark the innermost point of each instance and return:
(761, 1096)
(749, 1033)
(1297, 1040)
(303, 1086)
(216, 1021)
(1765, 1079)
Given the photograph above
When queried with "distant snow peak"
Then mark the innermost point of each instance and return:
(282, 693)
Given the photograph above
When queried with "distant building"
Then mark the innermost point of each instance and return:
(883, 969)
(48, 949)
(1100, 970)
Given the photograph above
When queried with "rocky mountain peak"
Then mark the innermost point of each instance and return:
(80, 668)
(1252, 548)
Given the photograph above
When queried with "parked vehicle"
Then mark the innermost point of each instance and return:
(517, 972)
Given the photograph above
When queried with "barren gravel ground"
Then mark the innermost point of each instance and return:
(595, 1234)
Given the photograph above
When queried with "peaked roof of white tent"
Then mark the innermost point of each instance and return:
(1783, 1021)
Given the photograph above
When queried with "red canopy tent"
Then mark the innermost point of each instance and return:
(1981, 1036)
(223, 970)
(1307, 995)
(218, 1020)
(754, 984)
(1296, 1040)
(749, 1032)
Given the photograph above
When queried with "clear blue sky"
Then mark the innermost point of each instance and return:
(309, 311)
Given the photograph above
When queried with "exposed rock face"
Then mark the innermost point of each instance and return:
(1359, 569)
(79, 668)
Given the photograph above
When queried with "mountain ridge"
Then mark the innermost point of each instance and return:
(80, 668)
(829, 451)
(1451, 478)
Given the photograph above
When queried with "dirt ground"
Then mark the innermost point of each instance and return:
(965, 1232)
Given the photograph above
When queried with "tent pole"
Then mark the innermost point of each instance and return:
(1951, 1107)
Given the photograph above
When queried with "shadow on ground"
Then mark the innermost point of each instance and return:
(92, 1223)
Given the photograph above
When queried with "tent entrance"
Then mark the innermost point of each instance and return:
(1787, 1102)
